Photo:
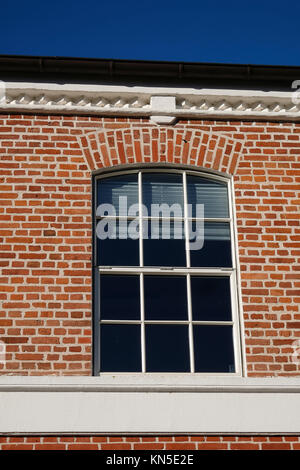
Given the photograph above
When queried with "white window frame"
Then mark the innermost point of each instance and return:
(232, 273)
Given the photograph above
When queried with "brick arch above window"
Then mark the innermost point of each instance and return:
(109, 148)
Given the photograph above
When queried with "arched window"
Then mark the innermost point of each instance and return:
(165, 297)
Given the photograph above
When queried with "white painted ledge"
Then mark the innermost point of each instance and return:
(129, 405)
(142, 101)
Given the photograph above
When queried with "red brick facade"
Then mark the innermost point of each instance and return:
(45, 174)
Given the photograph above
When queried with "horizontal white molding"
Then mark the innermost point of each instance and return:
(163, 103)
(164, 405)
(176, 382)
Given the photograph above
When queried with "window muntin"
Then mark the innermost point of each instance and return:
(158, 261)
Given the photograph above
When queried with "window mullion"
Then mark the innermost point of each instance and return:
(186, 222)
(140, 219)
(232, 235)
(191, 339)
(188, 279)
(141, 247)
(143, 346)
(236, 330)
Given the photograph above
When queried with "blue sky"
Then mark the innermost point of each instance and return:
(254, 32)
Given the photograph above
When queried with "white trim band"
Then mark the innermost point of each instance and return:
(86, 405)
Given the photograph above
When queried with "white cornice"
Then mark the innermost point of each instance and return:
(171, 102)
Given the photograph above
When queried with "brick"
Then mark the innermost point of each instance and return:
(152, 446)
(116, 446)
(181, 446)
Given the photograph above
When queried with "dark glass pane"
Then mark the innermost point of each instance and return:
(110, 189)
(116, 250)
(213, 348)
(211, 298)
(211, 193)
(216, 249)
(167, 348)
(162, 188)
(165, 298)
(165, 245)
(120, 348)
(119, 297)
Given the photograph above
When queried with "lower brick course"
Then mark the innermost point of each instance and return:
(150, 443)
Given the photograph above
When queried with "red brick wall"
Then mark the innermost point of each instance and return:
(45, 211)
(45, 174)
(151, 443)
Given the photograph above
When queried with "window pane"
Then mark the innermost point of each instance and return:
(216, 250)
(213, 348)
(110, 189)
(211, 298)
(167, 348)
(162, 188)
(120, 348)
(122, 250)
(165, 298)
(165, 245)
(119, 297)
(211, 193)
